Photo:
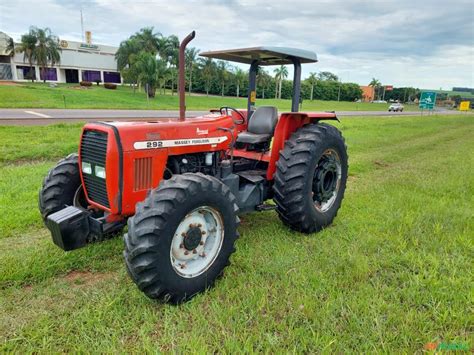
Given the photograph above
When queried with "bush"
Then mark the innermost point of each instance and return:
(110, 86)
(85, 83)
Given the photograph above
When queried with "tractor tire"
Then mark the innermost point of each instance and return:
(60, 187)
(181, 237)
(311, 176)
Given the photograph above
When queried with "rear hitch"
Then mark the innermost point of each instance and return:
(72, 228)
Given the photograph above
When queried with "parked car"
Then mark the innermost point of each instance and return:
(396, 107)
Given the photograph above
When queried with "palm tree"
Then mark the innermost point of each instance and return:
(239, 75)
(46, 50)
(126, 56)
(312, 79)
(280, 73)
(222, 74)
(191, 56)
(376, 84)
(150, 71)
(169, 51)
(27, 46)
(148, 40)
(10, 49)
(263, 80)
(208, 68)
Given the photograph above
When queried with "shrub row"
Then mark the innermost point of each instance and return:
(110, 86)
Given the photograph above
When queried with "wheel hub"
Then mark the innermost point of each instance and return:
(197, 241)
(326, 180)
(192, 238)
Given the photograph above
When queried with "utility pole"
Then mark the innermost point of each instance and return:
(339, 92)
(82, 26)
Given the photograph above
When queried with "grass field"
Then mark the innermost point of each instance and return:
(42, 96)
(392, 273)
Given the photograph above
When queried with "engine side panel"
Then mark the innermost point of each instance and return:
(138, 152)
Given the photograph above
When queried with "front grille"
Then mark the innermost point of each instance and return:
(94, 151)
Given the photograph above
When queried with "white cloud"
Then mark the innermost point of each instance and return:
(426, 45)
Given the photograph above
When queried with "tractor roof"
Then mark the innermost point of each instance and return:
(265, 55)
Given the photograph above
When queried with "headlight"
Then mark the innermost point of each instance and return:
(100, 171)
(86, 168)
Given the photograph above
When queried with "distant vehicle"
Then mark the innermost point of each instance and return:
(396, 107)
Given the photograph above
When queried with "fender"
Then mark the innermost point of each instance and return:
(288, 123)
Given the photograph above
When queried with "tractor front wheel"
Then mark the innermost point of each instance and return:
(62, 187)
(181, 237)
(311, 177)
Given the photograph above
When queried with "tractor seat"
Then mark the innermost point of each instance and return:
(260, 126)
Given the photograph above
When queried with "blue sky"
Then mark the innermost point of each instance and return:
(426, 44)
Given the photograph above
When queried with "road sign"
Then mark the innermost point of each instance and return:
(389, 87)
(464, 105)
(427, 100)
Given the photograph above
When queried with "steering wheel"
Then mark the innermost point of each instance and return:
(226, 109)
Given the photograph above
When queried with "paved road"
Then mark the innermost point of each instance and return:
(50, 116)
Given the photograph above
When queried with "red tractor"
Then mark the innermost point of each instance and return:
(180, 183)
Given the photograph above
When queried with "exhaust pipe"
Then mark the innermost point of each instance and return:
(182, 78)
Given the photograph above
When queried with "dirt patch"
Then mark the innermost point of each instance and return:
(86, 278)
(80, 87)
(381, 164)
(9, 83)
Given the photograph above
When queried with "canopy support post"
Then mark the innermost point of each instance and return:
(295, 102)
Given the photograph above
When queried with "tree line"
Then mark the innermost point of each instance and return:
(149, 61)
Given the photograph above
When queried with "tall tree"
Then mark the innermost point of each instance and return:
(150, 71)
(263, 80)
(239, 76)
(191, 56)
(11, 48)
(126, 56)
(281, 73)
(47, 49)
(27, 47)
(148, 40)
(376, 84)
(169, 51)
(327, 76)
(312, 80)
(222, 74)
(208, 68)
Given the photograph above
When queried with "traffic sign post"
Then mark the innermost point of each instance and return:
(427, 100)
(464, 105)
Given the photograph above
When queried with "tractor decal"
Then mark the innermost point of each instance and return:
(178, 142)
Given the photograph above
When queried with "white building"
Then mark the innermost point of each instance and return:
(79, 61)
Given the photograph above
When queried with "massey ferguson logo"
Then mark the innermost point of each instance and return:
(201, 132)
(155, 144)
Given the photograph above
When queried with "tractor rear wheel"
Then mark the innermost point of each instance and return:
(62, 187)
(181, 237)
(311, 177)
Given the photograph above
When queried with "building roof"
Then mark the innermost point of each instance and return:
(264, 54)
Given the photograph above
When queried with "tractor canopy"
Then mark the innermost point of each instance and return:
(263, 56)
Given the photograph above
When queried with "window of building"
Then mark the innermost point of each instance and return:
(48, 74)
(112, 77)
(25, 73)
(91, 75)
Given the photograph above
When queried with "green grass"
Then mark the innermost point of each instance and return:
(392, 273)
(42, 96)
